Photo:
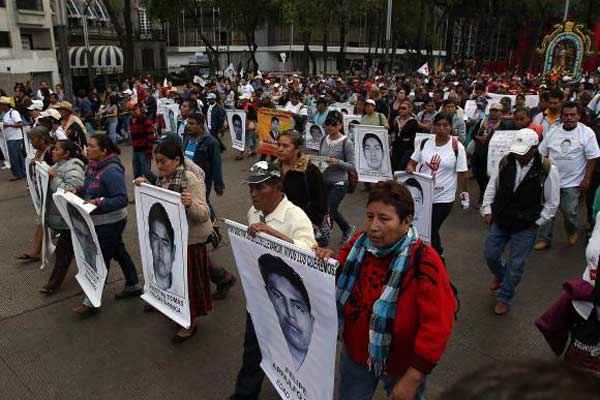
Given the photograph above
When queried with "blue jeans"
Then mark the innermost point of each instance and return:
(358, 383)
(510, 272)
(112, 247)
(124, 122)
(15, 155)
(111, 130)
(250, 141)
(335, 195)
(141, 164)
(569, 206)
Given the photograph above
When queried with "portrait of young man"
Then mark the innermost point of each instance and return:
(290, 300)
(82, 232)
(161, 237)
(372, 149)
(236, 121)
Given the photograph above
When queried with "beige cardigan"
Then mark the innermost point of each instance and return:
(199, 224)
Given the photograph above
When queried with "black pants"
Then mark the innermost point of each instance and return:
(251, 376)
(589, 203)
(112, 247)
(63, 257)
(439, 213)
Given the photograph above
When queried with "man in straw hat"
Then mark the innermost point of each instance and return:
(12, 133)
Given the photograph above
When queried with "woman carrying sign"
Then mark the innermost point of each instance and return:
(395, 302)
(444, 158)
(173, 176)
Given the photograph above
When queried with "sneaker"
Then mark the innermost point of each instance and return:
(541, 245)
(346, 236)
(501, 308)
(495, 285)
(128, 292)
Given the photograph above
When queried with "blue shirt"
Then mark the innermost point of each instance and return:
(190, 149)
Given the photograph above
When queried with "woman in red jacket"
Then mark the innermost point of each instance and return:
(395, 302)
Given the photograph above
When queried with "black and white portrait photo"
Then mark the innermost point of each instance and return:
(373, 154)
(91, 270)
(290, 296)
(33, 184)
(291, 303)
(237, 128)
(313, 136)
(162, 233)
(421, 189)
(83, 234)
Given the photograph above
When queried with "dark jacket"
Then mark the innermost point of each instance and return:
(303, 185)
(515, 211)
(208, 157)
(404, 145)
(105, 180)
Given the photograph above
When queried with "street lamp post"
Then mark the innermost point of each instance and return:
(388, 30)
(63, 49)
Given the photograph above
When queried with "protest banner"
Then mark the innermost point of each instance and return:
(313, 136)
(272, 122)
(32, 184)
(344, 108)
(290, 296)
(498, 147)
(531, 100)
(420, 187)
(350, 123)
(92, 271)
(372, 154)
(163, 237)
(41, 185)
(236, 119)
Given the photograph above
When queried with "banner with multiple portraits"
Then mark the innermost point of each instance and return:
(290, 296)
(163, 237)
(420, 187)
(92, 271)
(498, 147)
(372, 154)
(236, 119)
(531, 100)
(313, 136)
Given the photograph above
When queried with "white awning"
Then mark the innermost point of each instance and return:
(102, 57)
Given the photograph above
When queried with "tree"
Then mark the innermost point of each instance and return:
(120, 17)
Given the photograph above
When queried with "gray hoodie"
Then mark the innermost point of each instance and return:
(69, 175)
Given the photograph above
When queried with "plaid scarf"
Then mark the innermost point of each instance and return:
(384, 309)
(177, 181)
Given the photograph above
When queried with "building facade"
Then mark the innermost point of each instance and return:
(27, 46)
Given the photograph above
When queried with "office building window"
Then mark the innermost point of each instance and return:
(32, 5)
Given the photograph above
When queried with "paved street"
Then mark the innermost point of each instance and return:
(47, 352)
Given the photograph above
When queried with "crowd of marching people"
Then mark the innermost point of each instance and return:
(394, 294)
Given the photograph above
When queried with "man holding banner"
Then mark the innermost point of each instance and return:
(271, 213)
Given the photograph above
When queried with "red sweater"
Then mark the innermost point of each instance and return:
(424, 312)
(142, 134)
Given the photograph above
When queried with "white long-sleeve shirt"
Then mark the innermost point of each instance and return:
(551, 192)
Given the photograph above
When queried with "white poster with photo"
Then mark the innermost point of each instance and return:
(350, 124)
(32, 184)
(344, 108)
(313, 136)
(163, 237)
(420, 187)
(29, 149)
(41, 185)
(290, 296)
(236, 119)
(420, 136)
(372, 150)
(92, 272)
(498, 147)
(531, 100)
(470, 110)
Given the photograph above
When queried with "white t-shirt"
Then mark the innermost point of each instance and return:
(444, 175)
(59, 134)
(12, 117)
(569, 152)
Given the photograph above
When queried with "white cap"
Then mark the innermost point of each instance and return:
(51, 113)
(128, 92)
(371, 101)
(36, 105)
(211, 96)
(524, 140)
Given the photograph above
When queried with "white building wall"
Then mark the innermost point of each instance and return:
(19, 61)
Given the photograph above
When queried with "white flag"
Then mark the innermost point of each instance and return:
(230, 71)
(424, 70)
